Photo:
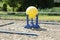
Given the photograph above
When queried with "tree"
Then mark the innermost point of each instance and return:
(27, 3)
(12, 3)
(37, 3)
(0, 0)
(45, 3)
(4, 7)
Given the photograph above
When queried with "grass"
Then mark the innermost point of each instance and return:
(2, 12)
(41, 17)
(49, 18)
(12, 17)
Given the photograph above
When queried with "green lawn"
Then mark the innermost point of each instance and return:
(2, 12)
(49, 18)
(41, 17)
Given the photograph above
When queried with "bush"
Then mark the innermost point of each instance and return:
(54, 9)
(4, 7)
(45, 4)
(11, 14)
(20, 14)
(0, 8)
(53, 14)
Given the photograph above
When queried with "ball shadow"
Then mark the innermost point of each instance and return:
(40, 29)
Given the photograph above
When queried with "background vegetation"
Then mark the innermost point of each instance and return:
(21, 5)
(8, 9)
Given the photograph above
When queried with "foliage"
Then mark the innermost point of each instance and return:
(21, 5)
(0, 0)
(45, 3)
(12, 3)
(26, 3)
(37, 3)
(4, 7)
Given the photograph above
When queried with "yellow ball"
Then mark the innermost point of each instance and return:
(32, 11)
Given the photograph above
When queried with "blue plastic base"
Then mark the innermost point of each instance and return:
(28, 27)
(36, 27)
(32, 26)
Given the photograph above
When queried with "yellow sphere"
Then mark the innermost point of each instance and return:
(32, 11)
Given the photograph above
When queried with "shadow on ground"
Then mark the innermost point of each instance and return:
(40, 29)
(6, 24)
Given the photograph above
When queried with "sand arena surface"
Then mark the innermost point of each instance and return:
(47, 32)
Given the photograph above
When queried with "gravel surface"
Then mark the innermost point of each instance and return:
(46, 32)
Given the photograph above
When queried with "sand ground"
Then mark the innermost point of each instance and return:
(47, 32)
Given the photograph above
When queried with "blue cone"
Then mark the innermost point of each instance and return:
(32, 24)
(27, 26)
(37, 26)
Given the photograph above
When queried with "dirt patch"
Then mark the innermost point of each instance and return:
(47, 31)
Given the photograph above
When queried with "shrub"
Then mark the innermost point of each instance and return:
(10, 13)
(4, 7)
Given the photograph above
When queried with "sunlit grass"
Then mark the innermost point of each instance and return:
(49, 18)
(2, 12)
(41, 17)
